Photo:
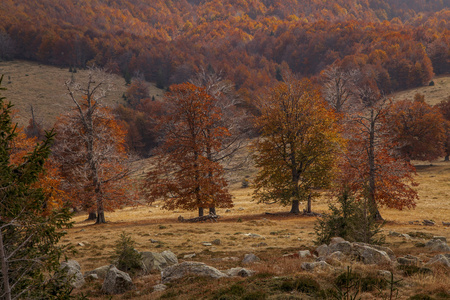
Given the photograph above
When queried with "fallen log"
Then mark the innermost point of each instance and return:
(212, 218)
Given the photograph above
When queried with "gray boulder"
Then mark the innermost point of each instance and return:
(250, 258)
(369, 255)
(312, 266)
(117, 282)
(72, 270)
(323, 250)
(152, 261)
(159, 287)
(336, 240)
(242, 272)
(304, 253)
(189, 267)
(439, 260)
(343, 246)
(409, 260)
(437, 244)
(99, 272)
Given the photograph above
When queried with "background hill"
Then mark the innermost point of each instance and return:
(401, 42)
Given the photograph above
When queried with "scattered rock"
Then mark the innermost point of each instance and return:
(337, 255)
(336, 240)
(170, 257)
(254, 235)
(442, 238)
(117, 282)
(189, 267)
(409, 260)
(262, 244)
(152, 261)
(242, 272)
(99, 272)
(207, 244)
(403, 235)
(342, 246)
(437, 245)
(216, 242)
(154, 241)
(385, 274)
(291, 255)
(240, 208)
(81, 244)
(446, 224)
(304, 253)
(369, 255)
(159, 287)
(439, 260)
(311, 266)
(428, 223)
(72, 270)
(228, 210)
(322, 250)
(189, 255)
(91, 277)
(250, 258)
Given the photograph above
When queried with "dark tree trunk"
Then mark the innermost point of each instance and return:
(92, 216)
(200, 211)
(212, 210)
(101, 218)
(295, 208)
(447, 158)
(308, 205)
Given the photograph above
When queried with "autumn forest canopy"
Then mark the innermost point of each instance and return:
(402, 43)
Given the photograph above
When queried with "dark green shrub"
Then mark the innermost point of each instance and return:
(350, 220)
(125, 257)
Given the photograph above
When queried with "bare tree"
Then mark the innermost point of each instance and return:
(90, 147)
(338, 87)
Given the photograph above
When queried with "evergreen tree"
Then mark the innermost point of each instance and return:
(29, 234)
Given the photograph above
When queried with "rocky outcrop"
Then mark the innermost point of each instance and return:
(189, 268)
(153, 261)
(117, 282)
(72, 271)
(99, 272)
(439, 260)
(250, 258)
(438, 244)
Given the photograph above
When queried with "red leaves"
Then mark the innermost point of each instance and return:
(185, 175)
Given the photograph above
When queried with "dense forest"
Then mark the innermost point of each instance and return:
(399, 44)
(403, 42)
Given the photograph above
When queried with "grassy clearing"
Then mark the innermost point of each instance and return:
(433, 94)
(277, 277)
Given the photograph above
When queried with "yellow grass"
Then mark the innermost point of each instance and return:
(433, 94)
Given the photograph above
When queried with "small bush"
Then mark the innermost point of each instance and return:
(351, 220)
(125, 257)
(304, 285)
(409, 270)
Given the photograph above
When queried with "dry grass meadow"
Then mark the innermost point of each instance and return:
(157, 230)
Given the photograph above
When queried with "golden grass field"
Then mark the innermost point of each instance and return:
(282, 233)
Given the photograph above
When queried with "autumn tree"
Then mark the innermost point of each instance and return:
(233, 117)
(418, 129)
(90, 149)
(29, 232)
(444, 107)
(371, 169)
(184, 176)
(298, 146)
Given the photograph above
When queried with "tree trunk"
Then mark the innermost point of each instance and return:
(92, 216)
(212, 210)
(200, 211)
(308, 205)
(100, 218)
(4, 269)
(447, 158)
(372, 170)
(295, 208)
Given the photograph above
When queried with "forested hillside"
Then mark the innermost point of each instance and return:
(402, 43)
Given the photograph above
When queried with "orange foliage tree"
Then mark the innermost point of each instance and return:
(185, 176)
(418, 129)
(370, 168)
(298, 146)
(90, 150)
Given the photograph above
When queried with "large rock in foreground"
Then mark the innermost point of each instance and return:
(72, 270)
(152, 261)
(117, 282)
(189, 268)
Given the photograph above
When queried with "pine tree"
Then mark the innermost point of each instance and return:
(29, 233)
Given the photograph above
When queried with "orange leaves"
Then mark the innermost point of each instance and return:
(299, 141)
(186, 175)
(418, 129)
